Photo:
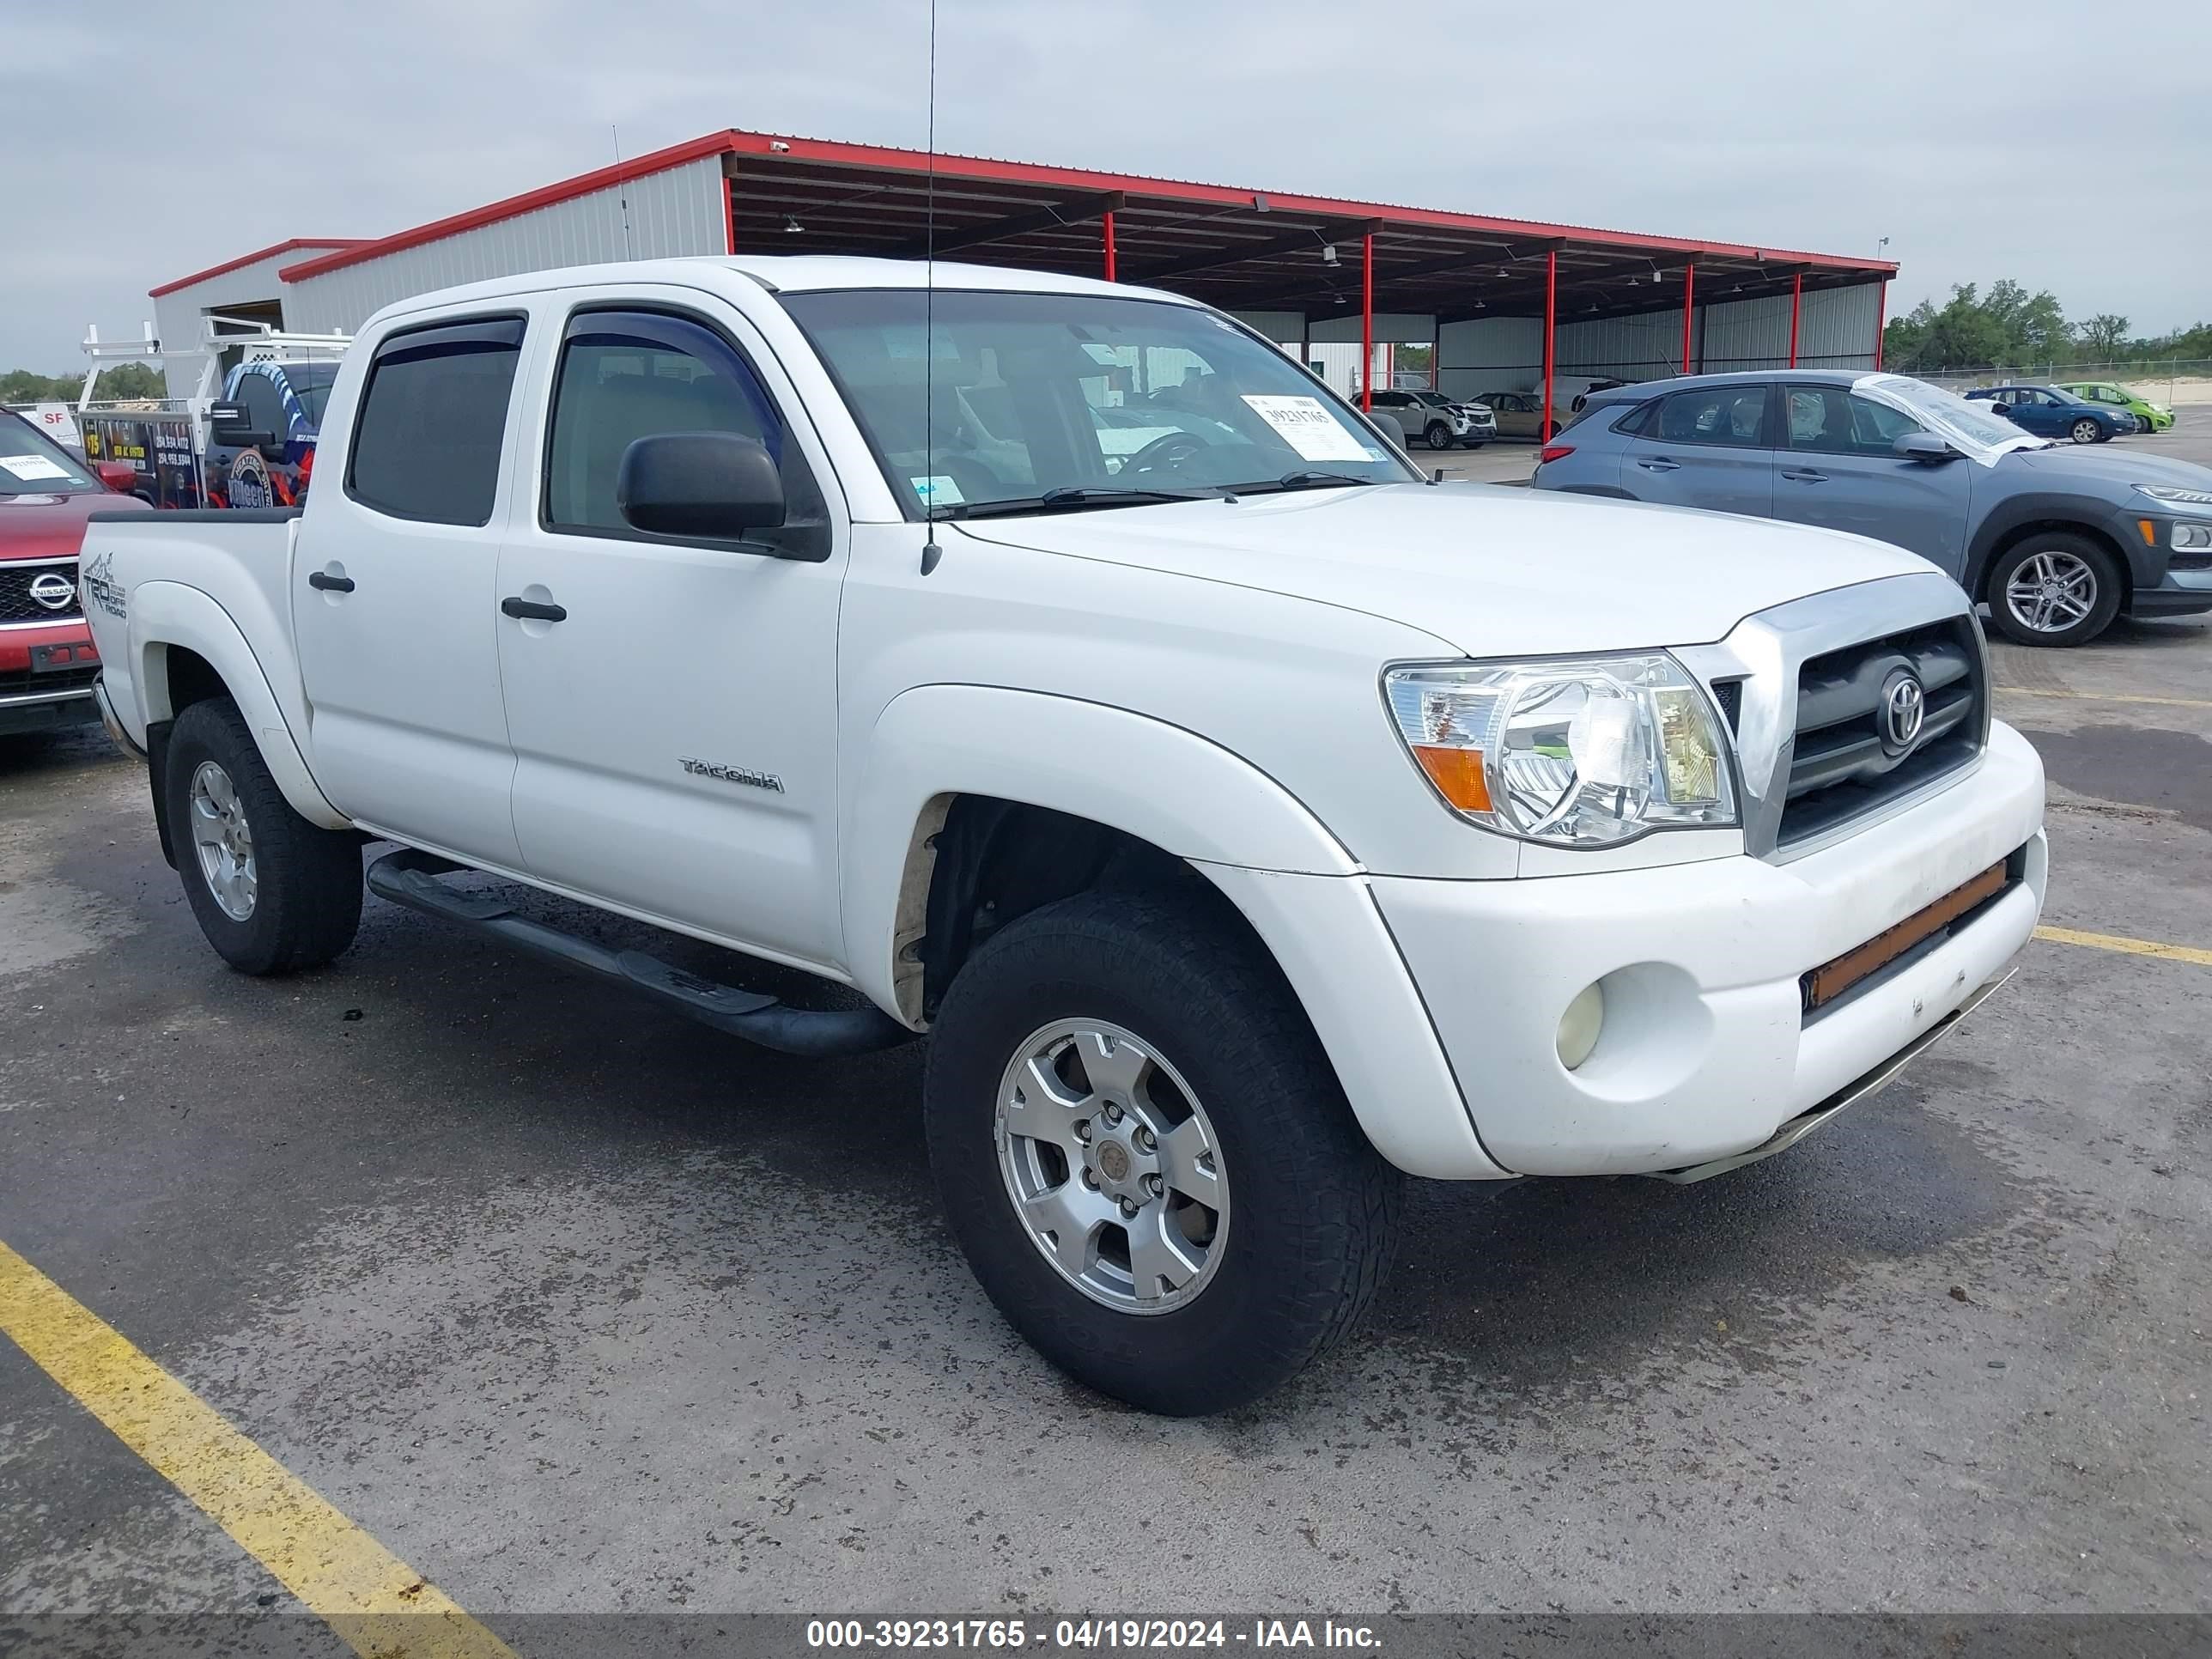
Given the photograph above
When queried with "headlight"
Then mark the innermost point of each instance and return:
(2193, 537)
(1581, 753)
(2175, 495)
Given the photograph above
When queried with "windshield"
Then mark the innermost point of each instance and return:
(1973, 427)
(1090, 400)
(311, 384)
(30, 463)
(1433, 399)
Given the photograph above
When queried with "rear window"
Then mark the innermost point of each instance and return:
(428, 441)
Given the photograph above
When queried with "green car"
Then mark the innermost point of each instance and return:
(2155, 417)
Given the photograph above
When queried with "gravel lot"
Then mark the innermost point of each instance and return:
(578, 1308)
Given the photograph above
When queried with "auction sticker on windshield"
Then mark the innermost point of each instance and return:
(1308, 427)
(27, 467)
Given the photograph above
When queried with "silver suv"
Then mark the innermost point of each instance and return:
(1436, 420)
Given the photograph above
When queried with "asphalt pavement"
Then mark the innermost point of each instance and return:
(579, 1307)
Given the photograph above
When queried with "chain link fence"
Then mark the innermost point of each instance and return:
(2169, 380)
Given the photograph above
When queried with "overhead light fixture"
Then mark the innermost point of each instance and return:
(1501, 271)
(791, 226)
(1329, 254)
(1259, 204)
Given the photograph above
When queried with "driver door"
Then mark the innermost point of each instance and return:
(674, 726)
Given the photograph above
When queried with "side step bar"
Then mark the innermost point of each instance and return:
(410, 877)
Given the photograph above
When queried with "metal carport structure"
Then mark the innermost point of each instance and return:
(1302, 267)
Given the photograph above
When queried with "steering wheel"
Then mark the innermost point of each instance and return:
(1169, 452)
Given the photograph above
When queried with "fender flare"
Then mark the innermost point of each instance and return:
(1302, 893)
(2084, 513)
(1182, 792)
(165, 614)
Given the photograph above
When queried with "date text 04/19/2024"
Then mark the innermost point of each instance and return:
(1088, 1635)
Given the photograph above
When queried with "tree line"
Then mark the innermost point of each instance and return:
(124, 382)
(2008, 327)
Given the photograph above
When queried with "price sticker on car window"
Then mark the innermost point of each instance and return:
(1307, 426)
(30, 467)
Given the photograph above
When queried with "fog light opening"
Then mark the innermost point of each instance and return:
(1580, 1025)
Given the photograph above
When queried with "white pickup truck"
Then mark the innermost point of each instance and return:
(1245, 819)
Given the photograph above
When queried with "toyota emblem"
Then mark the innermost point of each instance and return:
(1904, 707)
(53, 592)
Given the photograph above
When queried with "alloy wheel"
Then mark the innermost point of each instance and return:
(2052, 592)
(1113, 1166)
(2085, 431)
(223, 841)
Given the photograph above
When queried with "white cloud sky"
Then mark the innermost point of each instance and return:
(2064, 145)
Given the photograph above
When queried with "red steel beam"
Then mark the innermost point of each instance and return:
(1689, 301)
(1367, 322)
(1880, 321)
(730, 216)
(1106, 225)
(1550, 321)
(1797, 296)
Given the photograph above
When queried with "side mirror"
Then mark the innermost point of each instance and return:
(1924, 447)
(117, 475)
(715, 486)
(229, 424)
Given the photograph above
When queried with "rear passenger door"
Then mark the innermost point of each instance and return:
(1707, 446)
(1839, 471)
(393, 591)
(675, 726)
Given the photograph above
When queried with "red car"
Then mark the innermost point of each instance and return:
(47, 662)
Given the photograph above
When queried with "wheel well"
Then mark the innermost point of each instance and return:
(2019, 533)
(994, 860)
(191, 679)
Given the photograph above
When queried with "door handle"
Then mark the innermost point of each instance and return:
(323, 582)
(531, 610)
(1804, 475)
(1661, 463)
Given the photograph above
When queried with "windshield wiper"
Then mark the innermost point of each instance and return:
(1066, 499)
(1299, 481)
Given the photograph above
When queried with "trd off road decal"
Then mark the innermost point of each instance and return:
(96, 582)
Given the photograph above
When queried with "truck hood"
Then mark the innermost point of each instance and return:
(53, 527)
(2118, 470)
(1489, 570)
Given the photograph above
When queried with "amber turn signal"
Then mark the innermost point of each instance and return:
(1458, 774)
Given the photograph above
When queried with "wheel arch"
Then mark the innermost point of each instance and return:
(2036, 516)
(975, 796)
(186, 648)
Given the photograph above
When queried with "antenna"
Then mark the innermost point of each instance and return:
(930, 552)
(622, 195)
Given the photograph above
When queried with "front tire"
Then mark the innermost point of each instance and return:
(2054, 588)
(273, 893)
(2087, 432)
(1439, 435)
(1147, 1158)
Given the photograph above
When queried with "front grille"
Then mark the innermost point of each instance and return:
(1844, 765)
(2190, 562)
(17, 604)
(52, 683)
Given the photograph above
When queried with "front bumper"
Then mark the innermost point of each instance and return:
(26, 704)
(1705, 1054)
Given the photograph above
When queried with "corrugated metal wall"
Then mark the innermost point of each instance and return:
(177, 314)
(671, 214)
(1836, 327)
(1490, 354)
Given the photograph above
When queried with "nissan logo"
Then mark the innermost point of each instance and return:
(53, 592)
(1904, 707)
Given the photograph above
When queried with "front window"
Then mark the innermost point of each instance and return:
(30, 463)
(1982, 434)
(979, 402)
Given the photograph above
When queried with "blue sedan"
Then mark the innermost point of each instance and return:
(2050, 413)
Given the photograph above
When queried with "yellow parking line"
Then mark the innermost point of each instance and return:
(2133, 947)
(376, 1603)
(2100, 696)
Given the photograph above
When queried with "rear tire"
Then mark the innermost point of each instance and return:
(273, 893)
(2055, 588)
(1185, 1023)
